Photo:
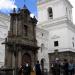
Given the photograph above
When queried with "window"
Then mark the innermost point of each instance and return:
(66, 10)
(73, 41)
(42, 47)
(42, 34)
(73, 44)
(25, 30)
(72, 38)
(50, 13)
(55, 43)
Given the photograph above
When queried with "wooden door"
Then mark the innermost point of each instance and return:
(26, 59)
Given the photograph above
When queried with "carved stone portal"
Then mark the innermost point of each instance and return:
(21, 44)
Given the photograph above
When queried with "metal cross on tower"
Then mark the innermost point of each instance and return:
(24, 4)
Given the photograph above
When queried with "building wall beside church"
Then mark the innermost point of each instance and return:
(59, 28)
(4, 27)
(71, 38)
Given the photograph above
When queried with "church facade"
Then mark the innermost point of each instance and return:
(20, 44)
(55, 31)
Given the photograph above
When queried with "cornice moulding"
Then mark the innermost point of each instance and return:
(54, 22)
(47, 1)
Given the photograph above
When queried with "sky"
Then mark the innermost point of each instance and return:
(7, 5)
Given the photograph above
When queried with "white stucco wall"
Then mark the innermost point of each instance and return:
(4, 27)
(71, 39)
(43, 54)
(58, 8)
(58, 35)
(2, 54)
(61, 8)
(57, 28)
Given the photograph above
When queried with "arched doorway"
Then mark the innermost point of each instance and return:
(26, 58)
(42, 65)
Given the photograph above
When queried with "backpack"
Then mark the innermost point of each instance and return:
(71, 66)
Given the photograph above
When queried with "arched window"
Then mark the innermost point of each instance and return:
(42, 47)
(50, 13)
(73, 44)
(25, 30)
(43, 64)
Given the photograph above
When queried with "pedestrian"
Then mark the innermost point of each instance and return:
(37, 68)
(33, 71)
(20, 70)
(57, 67)
(26, 69)
(61, 67)
(71, 67)
(52, 68)
(65, 67)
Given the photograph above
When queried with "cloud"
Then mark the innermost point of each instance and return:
(7, 5)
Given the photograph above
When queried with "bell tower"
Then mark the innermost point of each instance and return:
(21, 44)
(55, 19)
(53, 11)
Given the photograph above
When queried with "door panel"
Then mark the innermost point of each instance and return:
(26, 59)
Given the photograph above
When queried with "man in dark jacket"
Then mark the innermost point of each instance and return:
(37, 68)
(65, 67)
(26, 69)
(71, 67)
(57, 67)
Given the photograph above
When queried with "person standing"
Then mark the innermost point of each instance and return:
(57, 67)
(71, 67)
(20, 70)
(37, 68)
(65, 67)
(26, 69)
(53, 68)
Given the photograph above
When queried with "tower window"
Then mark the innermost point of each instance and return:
(42, 47)
(42, 34)
(56, 43)
(66, 10)
(25, 30)
(73, 44)
(72, 38)
(50, 13)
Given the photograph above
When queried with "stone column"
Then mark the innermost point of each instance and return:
(13, 60)
(19, 59)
